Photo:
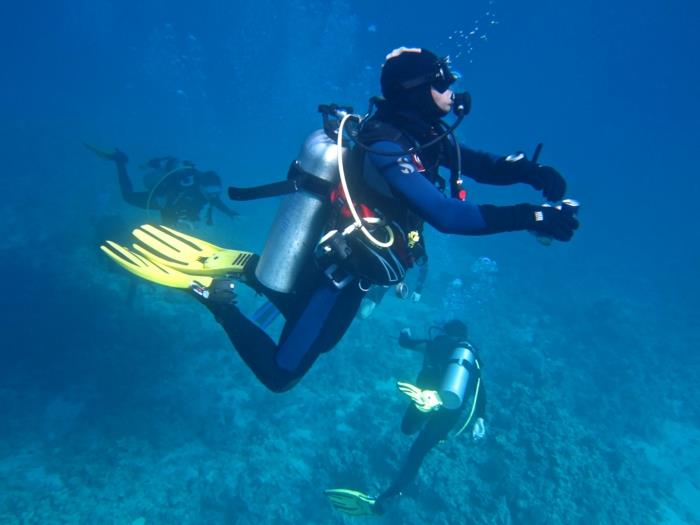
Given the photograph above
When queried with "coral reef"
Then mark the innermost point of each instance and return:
(122, 423)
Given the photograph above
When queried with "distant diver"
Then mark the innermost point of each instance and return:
(177, 189)
(356, 201)
(448, 395)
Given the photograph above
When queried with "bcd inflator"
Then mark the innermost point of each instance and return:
(454, 384)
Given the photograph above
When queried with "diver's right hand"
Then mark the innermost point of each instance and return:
(550, 221)
(545, 220)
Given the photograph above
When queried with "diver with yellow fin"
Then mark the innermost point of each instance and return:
(356, 200)
(448, 395)
(171, 258)
(176, 189)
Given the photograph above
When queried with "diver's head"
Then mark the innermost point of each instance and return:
(456, 329)
(210, 184)
(185, 173)
(453, 329)
(155, 170)
(171, 163)
(185, 176)
(417, 80)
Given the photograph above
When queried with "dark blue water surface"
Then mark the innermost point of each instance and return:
(124, 403)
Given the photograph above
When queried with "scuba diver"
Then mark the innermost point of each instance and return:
(376, 294)
(175, 188)
(351, 218)
(447, 388)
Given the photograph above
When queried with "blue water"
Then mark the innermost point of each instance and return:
(127, 405)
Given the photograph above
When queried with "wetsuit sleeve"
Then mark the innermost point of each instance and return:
(219, 205)
(406, 341)
(424, 199)
(491, 169)
(477, 165)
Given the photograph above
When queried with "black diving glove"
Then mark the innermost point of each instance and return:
(549, 180)
(516, 168)
(219, 297)
(546, 220)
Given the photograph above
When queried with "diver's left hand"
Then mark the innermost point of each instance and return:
(549, 180)
(479, 429)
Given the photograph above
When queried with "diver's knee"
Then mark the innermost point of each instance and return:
(281, 384)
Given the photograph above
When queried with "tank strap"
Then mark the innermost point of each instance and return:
(297, 179)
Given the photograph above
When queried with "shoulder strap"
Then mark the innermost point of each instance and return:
(375, 130)
(297, 179)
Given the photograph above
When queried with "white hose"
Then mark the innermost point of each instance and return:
(351, 206)
(160, 181)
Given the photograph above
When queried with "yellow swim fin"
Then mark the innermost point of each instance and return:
(176, 250)
(351, 502)
(150, 270)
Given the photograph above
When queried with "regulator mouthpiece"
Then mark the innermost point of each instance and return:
(463, 104)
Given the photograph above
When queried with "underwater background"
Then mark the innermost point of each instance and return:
(124, 403)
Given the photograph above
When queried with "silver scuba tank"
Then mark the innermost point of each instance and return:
(300, 219)
(456, 379)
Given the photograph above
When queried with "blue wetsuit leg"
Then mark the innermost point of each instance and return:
(320, 324)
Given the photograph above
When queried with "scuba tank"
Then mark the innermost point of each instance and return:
(302, 215)
(454, 383)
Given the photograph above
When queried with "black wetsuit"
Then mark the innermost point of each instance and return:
(176, 202)
(434, 426)
(404, 189)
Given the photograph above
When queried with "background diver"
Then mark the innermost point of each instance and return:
(393, 176)
(448, 390)
(176, 188)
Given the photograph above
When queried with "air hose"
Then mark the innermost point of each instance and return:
(358, 221)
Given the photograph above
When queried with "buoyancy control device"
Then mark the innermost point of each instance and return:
(362, 246)
(297, 233)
